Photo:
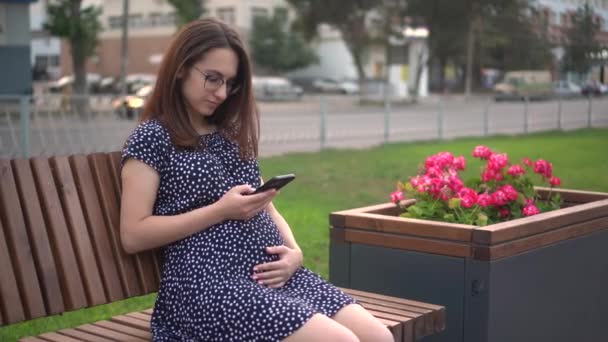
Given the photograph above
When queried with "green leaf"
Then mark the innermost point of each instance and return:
(454, 203)
(482, 219)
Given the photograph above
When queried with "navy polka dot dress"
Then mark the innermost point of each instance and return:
(206, 291)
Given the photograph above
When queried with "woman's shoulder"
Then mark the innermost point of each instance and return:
(151, 129)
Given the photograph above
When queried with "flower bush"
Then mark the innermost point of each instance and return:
(503, 192)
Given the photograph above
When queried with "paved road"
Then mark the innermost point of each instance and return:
(301, 126)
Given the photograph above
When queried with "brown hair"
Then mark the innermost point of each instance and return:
(237, 117)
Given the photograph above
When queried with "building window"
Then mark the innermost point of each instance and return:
(136, 20)
(281, 12)
(155, 19)
(114, 22)
(259, 12)
(226, 14)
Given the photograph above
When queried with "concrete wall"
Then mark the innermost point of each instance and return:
(15, 48)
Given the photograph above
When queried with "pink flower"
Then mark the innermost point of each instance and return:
(555, 181)
(516, 170)
(497, 161)
(499, 176)
(397, 196)
(482, 152)
(531, 210)
(527, 161)
(529, 201)
(434, 171)
(488, 175)
(430, 162)
(484, 200)
(467, 202)
(504, 212)
(455, 183)
(543, 167)
(468, 197)
(459, 163)
(499, 198)
(510, 192)
(444, 159)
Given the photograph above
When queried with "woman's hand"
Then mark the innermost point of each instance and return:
(275, 274)
(239, 204)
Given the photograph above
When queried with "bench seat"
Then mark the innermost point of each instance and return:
(60, 251)
(406, 319)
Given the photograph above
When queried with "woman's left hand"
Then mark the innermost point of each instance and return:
(275, 274)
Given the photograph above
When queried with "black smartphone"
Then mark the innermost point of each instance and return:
(275, 182)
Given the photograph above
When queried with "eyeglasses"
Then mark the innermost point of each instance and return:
(213, 82)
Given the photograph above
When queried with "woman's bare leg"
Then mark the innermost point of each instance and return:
(365, 326)
(322, 328)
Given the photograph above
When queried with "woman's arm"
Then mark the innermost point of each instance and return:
(140, 230)
(284, 229)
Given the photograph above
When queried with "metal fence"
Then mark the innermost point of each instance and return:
(55, 125)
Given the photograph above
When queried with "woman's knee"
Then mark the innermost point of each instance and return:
(322, 328)
(379, 334)
(365, 326)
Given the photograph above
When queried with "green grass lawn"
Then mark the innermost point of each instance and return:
(337, 180)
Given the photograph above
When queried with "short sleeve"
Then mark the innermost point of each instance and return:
(149, 143)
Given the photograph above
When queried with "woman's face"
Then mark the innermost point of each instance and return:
(208, 82)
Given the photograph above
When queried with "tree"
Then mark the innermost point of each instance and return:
(276, 48)
(80, 26)
(446, 21)
(187, 10)
(475, 30)
(347, 16)
(581, 40)
(515, 40)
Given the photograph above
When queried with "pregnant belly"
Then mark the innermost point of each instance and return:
(231, 246)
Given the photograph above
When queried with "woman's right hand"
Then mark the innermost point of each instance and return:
(239, 203)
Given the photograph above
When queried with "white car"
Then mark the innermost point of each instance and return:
(566, 89)
(275, 89)
(328, 85)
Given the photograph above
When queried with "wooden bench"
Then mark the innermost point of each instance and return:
(60, 251)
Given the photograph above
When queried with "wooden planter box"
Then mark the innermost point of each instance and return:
(540, 278)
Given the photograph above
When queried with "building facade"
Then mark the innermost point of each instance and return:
(558, 16)
(151, 26)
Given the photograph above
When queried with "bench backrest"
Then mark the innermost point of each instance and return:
(60, 245)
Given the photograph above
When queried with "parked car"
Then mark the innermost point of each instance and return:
(328, 85)
(60, 85)
(594, 88)
(566, 89)
(517, 89)
(130, 106)
(275, 89)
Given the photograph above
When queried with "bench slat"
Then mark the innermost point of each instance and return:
(19, 244)
(83, 336)
(424, 324)
(39, 238)
(97, 228)
(131, 322)
(61, 242)
(9, 294)
(32, 339)
(407, 325)
(146, 335)
(140, 316)
(438, 312)
(107, 333)
(78, 230)
(56, 337)
(109, 203)
(149, 279)
(418, 320)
